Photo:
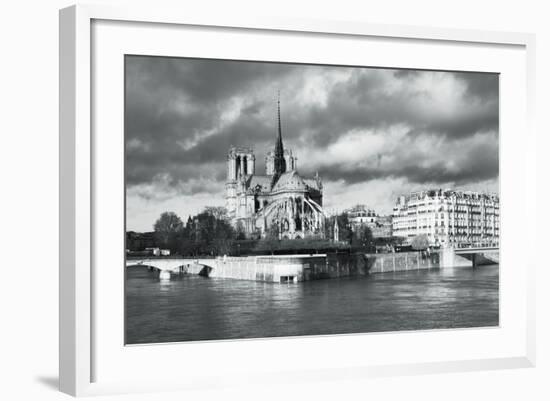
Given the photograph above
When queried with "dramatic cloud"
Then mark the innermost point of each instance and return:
(370, 133)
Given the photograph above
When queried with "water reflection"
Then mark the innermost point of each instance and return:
(196, 308)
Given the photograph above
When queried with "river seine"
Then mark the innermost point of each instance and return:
(190, 308)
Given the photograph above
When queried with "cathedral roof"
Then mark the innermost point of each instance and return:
(290, 181)
(264, 181)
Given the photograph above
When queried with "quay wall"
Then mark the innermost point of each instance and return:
(269, 268)
(297, 268)
(403, 261)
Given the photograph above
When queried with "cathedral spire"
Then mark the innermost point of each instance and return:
(279, 137)
(279, 155)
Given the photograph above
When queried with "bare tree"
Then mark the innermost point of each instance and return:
(219, 212)
(167, 226)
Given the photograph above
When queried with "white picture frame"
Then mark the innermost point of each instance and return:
(79, 345)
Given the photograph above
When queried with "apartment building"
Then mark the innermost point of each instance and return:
(448, 217)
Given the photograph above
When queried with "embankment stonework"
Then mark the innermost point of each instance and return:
(296, 268)
(395, 262)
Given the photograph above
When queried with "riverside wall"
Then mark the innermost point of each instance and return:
(297, 268)
(276, 269)
(403, 261)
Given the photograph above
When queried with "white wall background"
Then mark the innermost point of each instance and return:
(29, 199)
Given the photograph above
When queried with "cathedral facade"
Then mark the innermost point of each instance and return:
(279, 203)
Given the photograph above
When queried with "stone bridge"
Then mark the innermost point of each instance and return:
(168, 266)
(457, 257)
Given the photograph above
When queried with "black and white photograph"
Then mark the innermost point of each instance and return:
(271, 199)
(303, 200)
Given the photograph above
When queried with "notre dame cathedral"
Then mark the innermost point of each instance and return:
(281, 202)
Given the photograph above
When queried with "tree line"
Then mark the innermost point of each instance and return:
(209, 233)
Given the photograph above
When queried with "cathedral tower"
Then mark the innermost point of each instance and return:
(241, 164)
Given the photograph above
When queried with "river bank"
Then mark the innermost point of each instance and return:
(299, 268)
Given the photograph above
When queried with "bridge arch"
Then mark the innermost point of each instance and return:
(176, 265)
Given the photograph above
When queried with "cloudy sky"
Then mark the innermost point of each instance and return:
(371, 133)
